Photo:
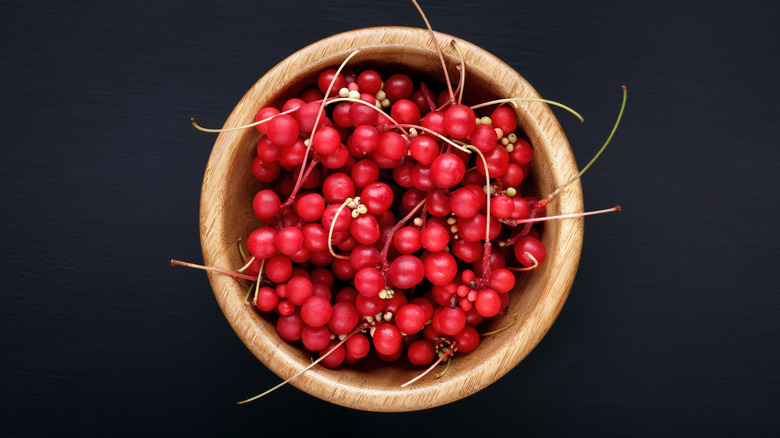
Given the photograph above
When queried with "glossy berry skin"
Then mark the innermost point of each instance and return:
(363, 173)
(344, 317)
(365, 229)
(290, 327)
(265, 171)
(369, 281)
(467, 340)
(465, 202)
(283, 130)
(505, 119)
(325, 79)
(405, 111)
(451, 320)
(358, 345)
(440, 268)
(435, 238)
(497, 162)
(306, 115)
(421, 352)
(360, 114)
(316, 311)
(337, 188)
(369, 82)
(333, 355)
(502, 280)
(488, 303)
(533, 246)
(392, 146)
(278, 268)
(326, 140)
(327, 275)
(377, 197)
(267, 300)
(398, 86)
(447, 170)
(387, 339)
(310, 206)
(261, 243)
(266, 204)
(459, 121)
(406, 271)
(365, 138)
(407, 240)
(264, 114)
(299, 289)
(315, 338)
(484, 138)
(424, 149)
(411, 318)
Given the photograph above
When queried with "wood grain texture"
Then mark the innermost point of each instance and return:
(226, 215)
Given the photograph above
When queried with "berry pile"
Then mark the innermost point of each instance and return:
(378, 217)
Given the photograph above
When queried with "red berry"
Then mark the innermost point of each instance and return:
(488, 303)
(326, 77)
(447, 170)
(387, 339)
(459, 121)
(532, 246)
(440, 268)
(283, 130)
(410, 318)
(406, 271)
(316, 311)
(505, 119)
(398, 86)
(421, 352)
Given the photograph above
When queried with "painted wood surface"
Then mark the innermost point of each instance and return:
(670, 327)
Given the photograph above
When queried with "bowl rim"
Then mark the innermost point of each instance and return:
(327, 384)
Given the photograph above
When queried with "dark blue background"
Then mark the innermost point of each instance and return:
(671, 327)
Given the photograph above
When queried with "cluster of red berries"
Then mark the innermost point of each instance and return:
(377, 225)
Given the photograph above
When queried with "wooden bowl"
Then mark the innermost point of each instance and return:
(226, 215)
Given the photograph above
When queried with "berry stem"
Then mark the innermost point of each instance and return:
(241, 250)
(363, 102)
(434, 365)
(300, 179)
(257, 283)
(499, 330)
(487, 268)
(249, 292)
(446, 367)
(528, 99)
(389, 239)
(299, 372)
(560, 216)
(427, 95)
(438, 50)
(487, 191)
(208, 268)
(248, 264)
(565, 216)
(430, 131)
(237, 128)
(462, 83)
(552, 195)
(529, 268)
(333, 226)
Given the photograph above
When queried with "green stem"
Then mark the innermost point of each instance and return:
(529, 99)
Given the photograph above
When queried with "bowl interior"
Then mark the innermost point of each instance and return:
(226, 215)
